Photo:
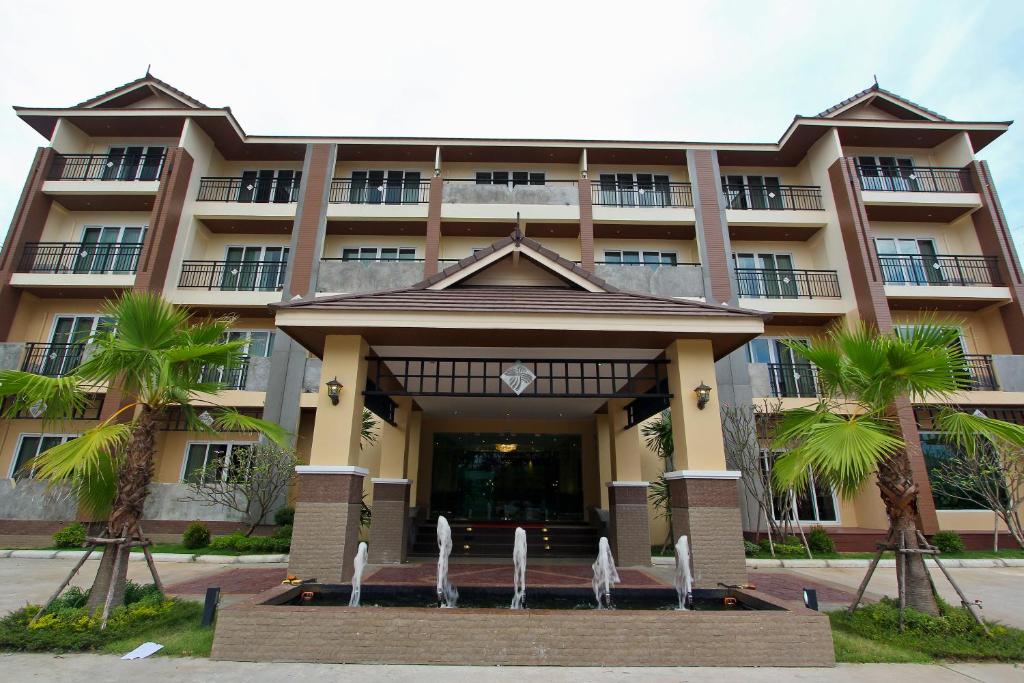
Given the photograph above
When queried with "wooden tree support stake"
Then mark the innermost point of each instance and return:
(970, 606)
(64, 584)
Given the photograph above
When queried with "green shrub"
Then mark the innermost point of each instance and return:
(283, 532)
(284, 516)
(790, 546)
(196, 536)
(948, 542)
(750, 549)
(71, 536)
(820, 541)
(238, 542)
(134, 592)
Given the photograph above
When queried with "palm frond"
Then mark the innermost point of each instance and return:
(87, 463)
(229, 419)
(972, 432)
(58, 398)
(368, 429)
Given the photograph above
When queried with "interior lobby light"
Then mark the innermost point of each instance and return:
(334, 390)
(703, 392)
(505, 447)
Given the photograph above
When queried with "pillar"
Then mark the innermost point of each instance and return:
(705, 496)
(413, 454)
(330, 488)
(604, 456)
(586, 225)
(432, 246)
(628, 518)
(389, 522)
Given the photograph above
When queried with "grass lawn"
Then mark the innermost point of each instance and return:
(178, 548)
(186, 638)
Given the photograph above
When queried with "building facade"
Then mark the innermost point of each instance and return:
(511, 311)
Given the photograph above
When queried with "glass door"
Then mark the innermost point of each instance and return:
(67, 340)
(909, 261)
(240, 267)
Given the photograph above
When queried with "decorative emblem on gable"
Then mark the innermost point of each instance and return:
(518, 377)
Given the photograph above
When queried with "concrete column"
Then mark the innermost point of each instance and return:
(412, 467)
(628, 518)
(326, 533)
(433, 242)
(586, 225)
(604, 456)
(705, 509)
(696, 433)
(337, 429)
(389, 521)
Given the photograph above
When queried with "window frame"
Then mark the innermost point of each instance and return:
(511, 182)
(812, 484)
(13, 467)
(400, 251)
(231, 445)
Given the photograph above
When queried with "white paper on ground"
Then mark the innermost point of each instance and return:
(144, 650)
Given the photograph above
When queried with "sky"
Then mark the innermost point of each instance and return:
(691, 71)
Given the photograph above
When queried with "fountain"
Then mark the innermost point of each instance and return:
(684, 577)
(519, 578)
(447, 595)
(605, 574)
(358, 565)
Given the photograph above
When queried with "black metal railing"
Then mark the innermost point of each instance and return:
(763, 283)
(375, 259)
(983, 378)
(52, 360)
(249, 190)
(233, 276)
(914, 178)
(793, 380)
(126, 166)
(639, 194)
(348, 191)
(773, 198)
(229, 378)
(945, 270)
(79, 257)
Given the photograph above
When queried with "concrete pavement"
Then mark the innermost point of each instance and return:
(44, 667)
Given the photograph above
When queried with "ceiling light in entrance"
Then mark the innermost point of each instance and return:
(505, 447)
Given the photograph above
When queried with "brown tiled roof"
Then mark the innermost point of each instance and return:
(139, 82)
(876, 89)
(519, 300)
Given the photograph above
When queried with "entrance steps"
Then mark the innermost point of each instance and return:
(495, 539)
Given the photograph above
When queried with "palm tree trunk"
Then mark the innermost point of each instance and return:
(134, 474)
(899, 493)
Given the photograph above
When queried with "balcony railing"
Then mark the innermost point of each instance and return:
(52, 360)
(249, 190)
(233, 276)
(983, 378)
(347, 191)
(230, 378)
(774, 198)
(80, 257)
(763, 283)
(630, 194)
(963, 271)
(107, 166)
(914, 178)
(793, 380)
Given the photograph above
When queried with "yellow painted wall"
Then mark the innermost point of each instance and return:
(334, 244)
(34, 319)
(11, 431)
(67, 226)
(787, 175)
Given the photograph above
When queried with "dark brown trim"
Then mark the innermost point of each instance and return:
(308, 238)
(706, 183)
(433, 241)
(155, 259)
(330, 488)
(586, 225)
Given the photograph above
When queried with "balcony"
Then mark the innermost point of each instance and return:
(105, 182)
(916, 193)
(346, 191)
(941, 271)
(249, 190)
(783, 380)
(233, 276)
(983, 377)
(52, 360)
(773, 198)
(762, 283)
(874, 178)
(348, 275)
(229, 378)
(669, 280)
(80, 258)
(637, 195)
(111, 167)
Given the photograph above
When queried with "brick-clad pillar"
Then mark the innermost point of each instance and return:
(310, 225)
(155, 259)
(712, 230)
(389, 522)
(995, 240)
(326, 531)
(432, 249)
(629, 523)
(705, 509)
(586, 225)
(26, 226)
(873, 307)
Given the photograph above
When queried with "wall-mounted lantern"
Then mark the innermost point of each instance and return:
(334, 390)
(703, 392)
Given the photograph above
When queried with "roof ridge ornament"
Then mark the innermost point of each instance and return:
(517, 233)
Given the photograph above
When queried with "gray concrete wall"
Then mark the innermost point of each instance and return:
(258, 376)
(1009, 371)
(465, 192)
(357, 276)
(11, 354)
(760, 380)
(28, 499)
(661, 281)
(164, 503)
(311, 377)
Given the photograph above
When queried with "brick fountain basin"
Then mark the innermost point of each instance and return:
(400, 625)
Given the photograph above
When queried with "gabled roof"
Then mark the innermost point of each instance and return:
(137, 90)
(887, 101)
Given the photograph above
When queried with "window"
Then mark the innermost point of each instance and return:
(138, 162)
(815, 503)
(68, 337)
(887, 173)
(509, 177)
(31, 445)
(790, 375)
(385, 187)
(936, 452)
(374, 254)
(230, 460)
(254, 268)
(259, 343)
(910, 261)
(765, 275)
(640, 189)
(110, 249)
(752, 192)
(651, 259)
(269, 185)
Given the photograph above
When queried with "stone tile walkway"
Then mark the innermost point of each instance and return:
(790, 587)
(242, 581)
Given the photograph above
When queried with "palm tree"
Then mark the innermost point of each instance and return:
(658, 438)
(158, 359)
(853, 432)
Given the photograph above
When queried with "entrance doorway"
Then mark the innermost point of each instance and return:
(507, 477)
